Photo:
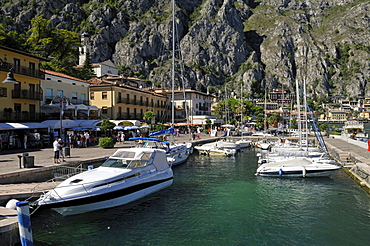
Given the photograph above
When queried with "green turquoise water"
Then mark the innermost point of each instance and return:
(219, 201)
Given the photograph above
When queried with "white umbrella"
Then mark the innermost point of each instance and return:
(119, 128)
(145, 126)
(227, 125)
(131, 127)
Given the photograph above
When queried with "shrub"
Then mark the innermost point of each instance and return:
(106, 143)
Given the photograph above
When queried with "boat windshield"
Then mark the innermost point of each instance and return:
(128, 162)
(125, 163)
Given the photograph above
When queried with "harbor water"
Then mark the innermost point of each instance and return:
(219, 201)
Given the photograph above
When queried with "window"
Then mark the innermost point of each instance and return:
(17, 107)
(3, 92)
(83, 97)
(92, 96)
(49, 93)
(74, 95)
(104, 95)
(31, 87)
(59, 93)
(32, 66)
(104, 110)
(17, 65)
(32, 108)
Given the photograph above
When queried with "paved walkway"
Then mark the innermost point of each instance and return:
(9, 160)
(350, 145)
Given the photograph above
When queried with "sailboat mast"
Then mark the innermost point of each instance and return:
(265, 117)
(305, 110)
(299, 115)
(173, 67)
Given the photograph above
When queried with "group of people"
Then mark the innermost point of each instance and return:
(80, 140)
(58, 151)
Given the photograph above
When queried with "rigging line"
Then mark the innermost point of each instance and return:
(173, 67)
(318, 133)
(182, 69)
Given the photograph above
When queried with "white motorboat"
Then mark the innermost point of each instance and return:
(176, 153)
(297, 167)
(213, 149)
(243, 143)
(354, 129)
(126, 176)
(263, 144)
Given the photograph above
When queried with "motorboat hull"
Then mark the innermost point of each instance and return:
(298, 167)
(179, 154)
(127, 175)
(212, 149)
(107, 200)
(217, 152)
(296, 173)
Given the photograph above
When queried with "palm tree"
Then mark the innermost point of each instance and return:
(148, 116)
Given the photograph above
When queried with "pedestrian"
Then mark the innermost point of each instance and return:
(56, 151)
(25, 141)
(78, 140)
(61, 151)
(87, 139)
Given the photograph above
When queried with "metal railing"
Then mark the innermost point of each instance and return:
(22, 70)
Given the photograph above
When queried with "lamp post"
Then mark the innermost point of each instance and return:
(62, 100)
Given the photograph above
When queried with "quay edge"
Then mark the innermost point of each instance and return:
(355, 165)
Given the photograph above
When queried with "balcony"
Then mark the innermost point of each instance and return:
(22, 70)
(126, 116)
(25, 116)
(27, 94)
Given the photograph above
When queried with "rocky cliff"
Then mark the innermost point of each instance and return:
(264, 43)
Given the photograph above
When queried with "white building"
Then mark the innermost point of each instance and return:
(101, 68)
(195, 103)
(105, 68)
(73, 92)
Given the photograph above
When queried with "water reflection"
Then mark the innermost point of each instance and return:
(219, 201)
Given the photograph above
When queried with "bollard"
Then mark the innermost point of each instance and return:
(24, 223)
(20, 160)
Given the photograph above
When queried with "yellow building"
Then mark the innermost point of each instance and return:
(119, 101)
(20, 101)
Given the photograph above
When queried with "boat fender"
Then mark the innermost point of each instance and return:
(303, 172)
(11, 204)
(280, 172)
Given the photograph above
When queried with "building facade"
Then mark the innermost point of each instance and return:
(188, 102)
(20, 102)
(72, 92)
(119, 101)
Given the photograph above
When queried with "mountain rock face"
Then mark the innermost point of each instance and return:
(261, 43)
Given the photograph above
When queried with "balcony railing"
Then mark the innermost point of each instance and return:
(27, 94)
(24, 116)
(126, 116)
(22, 70)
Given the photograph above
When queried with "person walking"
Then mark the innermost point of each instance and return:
(56, 146)
(25, 141)
(61, 151)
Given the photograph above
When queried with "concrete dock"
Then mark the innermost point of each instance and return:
(17, 182)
